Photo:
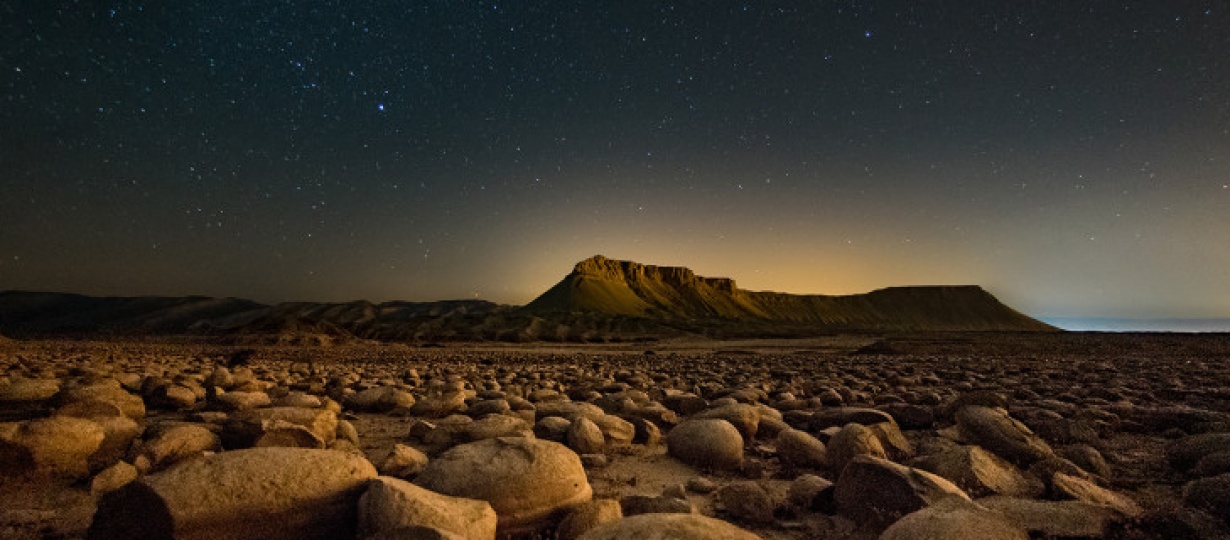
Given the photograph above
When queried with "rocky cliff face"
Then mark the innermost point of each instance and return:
(602, 285)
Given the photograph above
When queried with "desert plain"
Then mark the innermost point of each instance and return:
(858, 435)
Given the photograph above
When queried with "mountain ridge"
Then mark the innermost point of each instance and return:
(600, 299)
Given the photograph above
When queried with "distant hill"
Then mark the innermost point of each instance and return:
(601, 300)
(601, 285)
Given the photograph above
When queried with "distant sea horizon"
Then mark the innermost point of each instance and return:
(1119, 324)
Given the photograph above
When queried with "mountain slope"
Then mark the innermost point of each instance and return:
(627, 288)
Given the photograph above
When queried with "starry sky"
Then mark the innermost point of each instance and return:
(1071, 157)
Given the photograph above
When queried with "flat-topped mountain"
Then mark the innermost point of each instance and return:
(602, 285)
(601, 300)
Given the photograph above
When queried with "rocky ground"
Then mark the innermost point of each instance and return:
(851, 436)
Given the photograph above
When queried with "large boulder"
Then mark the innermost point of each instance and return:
(527, 481)
(954, 519)
(994, 430)
(390, 504)
(980, 473)
(668, 527)
(266, 493)
(710, 443)
(1055, 519)
(55, 446)
(871, 489)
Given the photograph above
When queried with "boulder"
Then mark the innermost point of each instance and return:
(1001, 434)
(246, 428)
(404, 462)
(118, 434)
(1211, 494)
(954, 519)
(980, 473)
(585, 437)
(108, 391)
(1055, 519)
(744, 417)
(497, 425)
(668, 527)
(112, 478)
(55, 446)
(1071, 487)
(179, 443)
(527, 481)
(1185, 453)
(804, 489)
(706, 443)
(390, 504)
(852, 441)
(747, 501)
(615, 430)
(267, 493)
(587, 516)
(841, 416)
(871, 489)
(241, 401)
(380, 399)
(798, 448)
(655, 504)
(439, 405)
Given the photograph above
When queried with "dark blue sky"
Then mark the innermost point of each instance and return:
(1072, 157)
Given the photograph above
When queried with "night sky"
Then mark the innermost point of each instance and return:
(1071, 157)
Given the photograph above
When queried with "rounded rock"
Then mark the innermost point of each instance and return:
(267, 493)
(706, 443)
(527, 481)
(668, 527)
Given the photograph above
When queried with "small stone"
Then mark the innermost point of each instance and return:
(798, 448)
(648, 504)
(112, 478)
(747, 501)
(702, 485)
(403, 462)
(585, 437)
(804, 489)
